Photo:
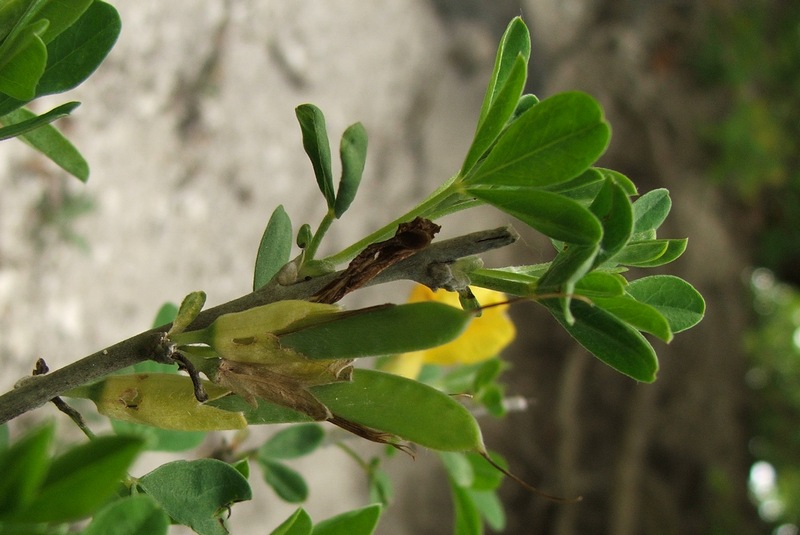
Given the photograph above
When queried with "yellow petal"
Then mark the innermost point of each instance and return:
(406, 365)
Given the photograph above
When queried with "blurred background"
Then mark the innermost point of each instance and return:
(190, 132)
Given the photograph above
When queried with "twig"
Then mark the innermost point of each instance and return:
(40, 369)
(430, 266)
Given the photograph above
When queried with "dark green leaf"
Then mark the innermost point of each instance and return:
(639, 315)
(134, 515)
(525, 103)
(612, 207)
(621, 180)
(552, 142)
(381, 330)
(499, 113)
(611, 340)
(358, 522)
(23, 120)
(61, 15)
(551, 214)
(297, 524)
(80, 49)
(274, 249)
(583, 188)
(4, 436)
(651, 209)
(601, 284)
(642, 252)
(82, 479)
(265, 413)
(505, 281)
(566, 269)
(516, 42)
(21, 73)
(411, 410)
(292, 442)
(23, 466)
(676, 299)
(353, 152)
(317, 146)
(197, 493)
(286, 482)
(674, 250)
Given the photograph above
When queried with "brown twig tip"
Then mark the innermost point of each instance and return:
(185, 364)
(527, 486)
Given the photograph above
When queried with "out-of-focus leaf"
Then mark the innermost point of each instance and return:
(358, 522)
(134, 515)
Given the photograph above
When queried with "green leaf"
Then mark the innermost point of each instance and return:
(197, 493)
(674, 250)
(467, 516)
(411, 410)
(601, 284)
(75, 54)
(190, 307)
(297, 524)
(458, 467)
(23, 466)
(61, 15)
(621, 180)
(639, 315)
(274, 249)
(516, 42)
(166, 314)
(358, 522)
(553, 215)
(503, 280)
(4, 436)
(651, 209)
(676, 299)
(21, 73)
(552, 142)
(525, 103)
(380, 484)
(22, 121)
(641, 252)
(292, 442)
(611, 340)
(82, 479)
(315, 142)
(486, 476)
(583, 188)
(567, 268)
(156, 439)
(286, 482)
(381, 330)
(613, 207)
(353, 152)
(499, 113)
(134, 515)
(490, 508)
(49, 141)
(264, 413)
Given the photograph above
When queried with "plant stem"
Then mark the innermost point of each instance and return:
(430, 266)
(324, 225)
(424, 209)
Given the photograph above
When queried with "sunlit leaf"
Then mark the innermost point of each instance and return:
(552, 142)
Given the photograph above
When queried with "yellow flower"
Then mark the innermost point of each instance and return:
(483, 339)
